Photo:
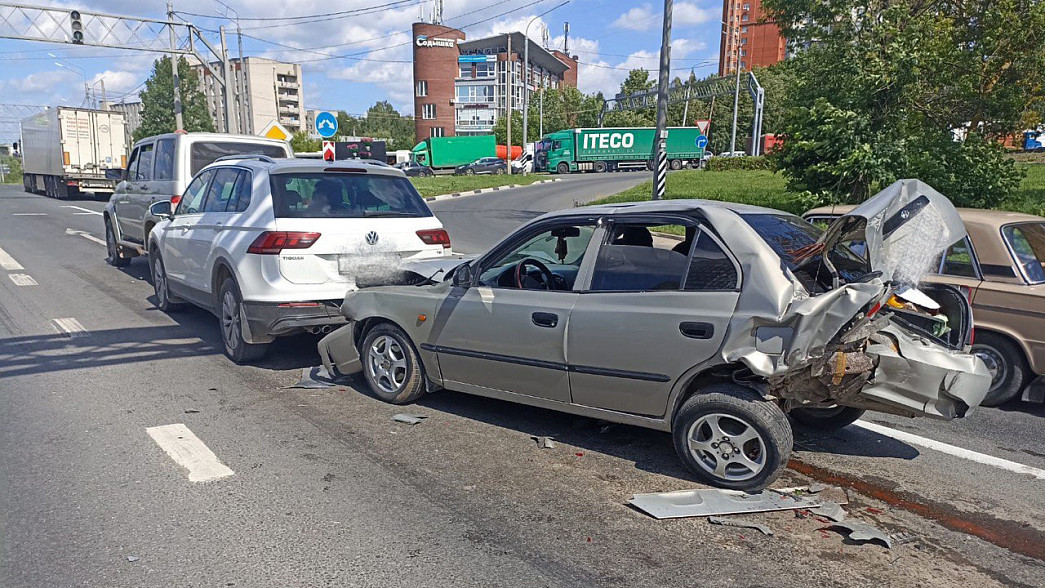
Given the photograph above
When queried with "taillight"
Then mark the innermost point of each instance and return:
(435, 237)
(972, 336)
(874, 309)
(175, 199)
(272, 242)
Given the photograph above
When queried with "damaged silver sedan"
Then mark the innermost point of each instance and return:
(711, 320)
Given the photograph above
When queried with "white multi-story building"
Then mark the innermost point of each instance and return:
(273, 91)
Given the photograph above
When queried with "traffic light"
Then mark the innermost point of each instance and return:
(76, 26)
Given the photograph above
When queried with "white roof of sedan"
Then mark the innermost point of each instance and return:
(677, 205)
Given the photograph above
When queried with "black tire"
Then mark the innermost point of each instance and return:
(160, 286)
(718, 416)
(469, 172)
(562, 168)
(113, 250)
(1007, 365)
(675, 164)
(229, 322)
(391, 365)
(601, 167)
(826, 419)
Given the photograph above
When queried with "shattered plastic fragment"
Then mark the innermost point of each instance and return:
(742, 523)
(410, 419)
(699, 503)
(544, 442)
(314, 378)
(132, 558)
(815, 488)
(862, 532)
(830, 510)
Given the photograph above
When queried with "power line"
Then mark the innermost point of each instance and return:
(349, 12)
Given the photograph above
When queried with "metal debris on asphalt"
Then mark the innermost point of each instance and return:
(410, 419)
(835, 494)
(862, 532)
(132, 558)
(701, 503)
(902, 538)
(191, 411)
(830, 510)
(315, 378)
(815, 488)
(544, 442)
(742, 523)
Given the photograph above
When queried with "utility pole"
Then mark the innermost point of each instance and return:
(511, 72)
(226, 91)
(246, 124)
(179, 122)
(736, 95)
(685, 109)
(526, 77)
(660, 169)
(541, 107)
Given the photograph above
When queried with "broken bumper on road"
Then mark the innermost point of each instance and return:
(338, 351)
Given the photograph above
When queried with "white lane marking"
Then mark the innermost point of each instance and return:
(83, 213)
(80, 208)
(70, 327)
(85, 235)
(954, 450)
(185, 448)
(28, 214)
(22, 279)
(8, 263)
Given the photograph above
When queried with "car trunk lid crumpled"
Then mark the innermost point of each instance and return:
(859, 330)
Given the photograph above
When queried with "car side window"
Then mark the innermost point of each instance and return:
(241, 195)
(958, 261)
(192, 201)
(560, 250)
(144, 170)
(164, 169)
(709, 266)
(132, 167)
(632, 259)
(221, 190)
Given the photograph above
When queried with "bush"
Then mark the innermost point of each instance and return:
(734, 163)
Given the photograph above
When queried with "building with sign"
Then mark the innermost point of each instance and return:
(461, 87)
(748, 39)
(273, 93)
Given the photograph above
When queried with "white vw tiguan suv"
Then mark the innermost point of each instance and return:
(272, 246)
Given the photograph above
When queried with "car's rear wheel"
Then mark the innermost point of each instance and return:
(391, 365)
(732, 438)
(675, 164)
(161, 287)
(601, 167)
(230, 321)
(113, 249)
(826, 419)
(1005, 363)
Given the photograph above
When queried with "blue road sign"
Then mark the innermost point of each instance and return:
(326, 124)
(701, 142)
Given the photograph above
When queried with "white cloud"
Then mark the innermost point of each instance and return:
(640, 18)
(688, 14)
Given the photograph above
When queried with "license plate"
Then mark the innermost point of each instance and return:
(354, 265)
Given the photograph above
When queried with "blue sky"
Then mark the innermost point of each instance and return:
(352, 61)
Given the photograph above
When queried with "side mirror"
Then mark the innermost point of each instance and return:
(162, 209)
(463, 275)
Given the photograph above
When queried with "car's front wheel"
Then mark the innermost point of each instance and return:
(826, 419)
(732, 438)
(230, 321)
(1005, 363)
(391, 365)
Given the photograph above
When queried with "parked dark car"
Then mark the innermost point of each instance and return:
(414, 169)
(483, 165)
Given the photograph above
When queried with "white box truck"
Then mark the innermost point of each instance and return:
(69, 150)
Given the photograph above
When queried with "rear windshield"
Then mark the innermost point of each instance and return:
(786, 235)
(340, 195)
(203, 154)
(1027, 243)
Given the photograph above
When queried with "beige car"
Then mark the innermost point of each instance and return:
(1002, 265)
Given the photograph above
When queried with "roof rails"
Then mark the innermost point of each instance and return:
(258, 156)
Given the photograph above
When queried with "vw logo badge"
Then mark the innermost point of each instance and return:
(371, 238)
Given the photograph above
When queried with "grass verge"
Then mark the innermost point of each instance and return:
(769, 189)
(438, 185)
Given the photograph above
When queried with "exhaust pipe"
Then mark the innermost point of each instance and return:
(325, 329)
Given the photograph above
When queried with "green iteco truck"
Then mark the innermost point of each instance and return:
(603, 150)
(450, 152)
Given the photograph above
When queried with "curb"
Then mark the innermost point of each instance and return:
(484, 190)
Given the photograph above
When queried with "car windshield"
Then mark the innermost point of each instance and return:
(332, 195)
(204, 153)
(1026, 241)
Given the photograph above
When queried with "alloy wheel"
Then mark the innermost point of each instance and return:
(386, 362)
(159, 281)
(230, 319)
(727, 447)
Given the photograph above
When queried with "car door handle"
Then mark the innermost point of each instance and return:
(697, 330)
(545, 319)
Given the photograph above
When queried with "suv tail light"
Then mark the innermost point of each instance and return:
(435, 237)
(175, 199)
(272, 242)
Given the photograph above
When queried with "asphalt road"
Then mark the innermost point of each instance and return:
(328, 491)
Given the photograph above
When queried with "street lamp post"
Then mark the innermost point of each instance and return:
(83, 74)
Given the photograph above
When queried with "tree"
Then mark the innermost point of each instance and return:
(158, 101)
(14, 176)
(500, 129)
(908, 88)
(301, 142)
(381, 121)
